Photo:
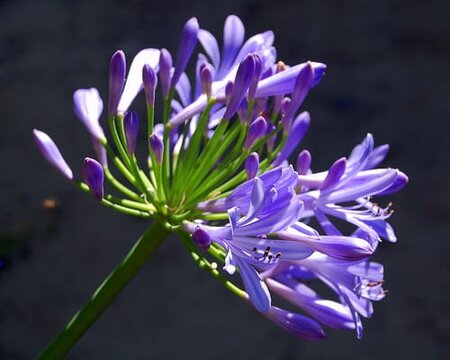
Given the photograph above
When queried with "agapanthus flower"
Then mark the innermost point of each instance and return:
(218, 172)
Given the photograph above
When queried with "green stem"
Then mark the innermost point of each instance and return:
(107, 292)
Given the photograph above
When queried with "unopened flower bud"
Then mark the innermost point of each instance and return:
(51, 153)
(252, 165)
(157, 147)
(117, 69)
(131, 125)
(93, 175)
(256, 130)
(241, 84)
(201, 238)
(150, 82)
(303, 163)
(206, 78)
(165, 66)
(185, 49)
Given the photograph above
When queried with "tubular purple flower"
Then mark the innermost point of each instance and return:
(133, 84)
(51, 153)
(233, 37)
(256, 77)
(117, 70)
(206, 78)
(256, 130)
(228, 91)
(334, 174)
(165, 66)
(93, 175)
(150, 82)
(303, 163)
(283, 82)
(157, 147)
(296, 134)
(209, 43)
(88, 107)
(186, 47)
(252, 165)
(201, 238)
(303, 83)
(131, 124)
(241, 83)
(298, 325)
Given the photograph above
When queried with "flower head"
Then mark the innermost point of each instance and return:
(218, 169)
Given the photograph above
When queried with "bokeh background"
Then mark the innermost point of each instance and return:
(388, 73)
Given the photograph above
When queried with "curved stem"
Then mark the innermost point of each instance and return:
(107, 292)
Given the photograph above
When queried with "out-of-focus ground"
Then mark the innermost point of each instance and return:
(388, 73)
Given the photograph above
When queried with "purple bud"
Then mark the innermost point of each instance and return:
(51, 153)
(252, 165)
(157, 146)
(186, 47)
(334, 174)
(303, 163)
(256, 130)
(303, 83)
(206, 78)
(131, 124)
(256, 77)
(94, 177)
(273, 138)
(165, 66)
(201, 238)
(299, 127)
(228, 92)
(117, 69)
(88, 106)
(150, 82)
(241, 83)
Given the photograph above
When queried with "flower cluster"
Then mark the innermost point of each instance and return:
(218, 169)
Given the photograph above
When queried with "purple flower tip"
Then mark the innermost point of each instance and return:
(51, 153)
(150, 82)
(88, 106)
(256, 130)
(201, 238)
(165, 66)
(131, 124)
(93, 175)
(157, 146)
(117, 70)
(303, 163)
(334, 174)
(241, 84)
(186, 47)
(206, 78)
(252, 165)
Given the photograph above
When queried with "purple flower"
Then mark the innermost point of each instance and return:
(201, 238)
(131, 124)
(296, 324)
(165, 66)
(187, 45)
(256, 130)
(51, 153)
(134, 82)
(88, 107)
(93, 175)
(240, 86)
(252, 165)
(150, 82)
(117, 70)
(157, 147)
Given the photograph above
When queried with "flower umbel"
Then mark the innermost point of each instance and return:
(217, 172)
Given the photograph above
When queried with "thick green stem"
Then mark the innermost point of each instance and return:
(107, 292)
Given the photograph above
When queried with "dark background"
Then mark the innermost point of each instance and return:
(388, 73)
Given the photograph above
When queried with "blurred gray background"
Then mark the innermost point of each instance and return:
(388, 73)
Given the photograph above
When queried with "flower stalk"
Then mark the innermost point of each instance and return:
(143, 249)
